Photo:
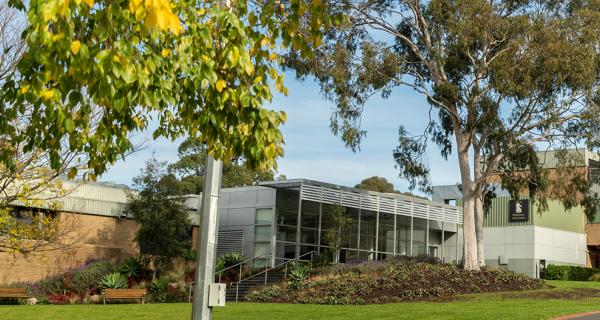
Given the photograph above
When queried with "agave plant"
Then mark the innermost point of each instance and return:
(114, 280)
(297, 275)
(231, 259)
(132, 267)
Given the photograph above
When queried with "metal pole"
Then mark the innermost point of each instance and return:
(208, 239)
(298, 222)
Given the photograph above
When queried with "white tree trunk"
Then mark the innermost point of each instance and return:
(479, 229)
(469, 237)
(479, 214)
(468, 192)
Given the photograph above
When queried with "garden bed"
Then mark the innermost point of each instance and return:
(393, 281)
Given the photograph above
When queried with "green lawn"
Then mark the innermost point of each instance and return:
(479, 306)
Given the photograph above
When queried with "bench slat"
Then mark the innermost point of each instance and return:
(13, 293)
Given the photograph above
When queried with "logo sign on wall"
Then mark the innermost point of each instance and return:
(518, 210)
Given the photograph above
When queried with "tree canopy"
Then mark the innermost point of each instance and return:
(189, 170)
(502, 79)
(164, 226)
(199, 69)
(377, 184)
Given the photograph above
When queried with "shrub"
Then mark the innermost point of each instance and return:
(48, 286)
(131, 267)
(569, 273)
(190, 255)
(231, 259)
(113, 280)
(59, 298)
(297, 275)
(158, 290)
(89, 276)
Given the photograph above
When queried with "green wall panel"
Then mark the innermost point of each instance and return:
(556, 217)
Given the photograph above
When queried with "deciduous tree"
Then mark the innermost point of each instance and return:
(197, 68)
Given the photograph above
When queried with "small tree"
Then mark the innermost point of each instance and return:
(338, 232)
(164, 226)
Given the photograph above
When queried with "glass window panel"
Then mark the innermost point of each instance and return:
(306, 250)
(286, 233)
(348, 255)
(403, 239)
(264, 216)
(260, 248)
(386, 233)
(350, 236)
(368, 223)
(419, 236)
(365, 256)
(286, 250)
(308, 236)
(262, 233)
(287, 206)
(310, 214)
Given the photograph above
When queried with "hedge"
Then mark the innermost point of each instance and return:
(569, 273)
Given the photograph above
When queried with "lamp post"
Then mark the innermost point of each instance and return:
(207, 239)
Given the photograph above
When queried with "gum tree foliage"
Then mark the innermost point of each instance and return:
(188, 170)
(197, 68)
(502, 80)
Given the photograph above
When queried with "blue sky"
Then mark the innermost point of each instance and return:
(313, 152)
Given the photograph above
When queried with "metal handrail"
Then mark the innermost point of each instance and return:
(266, 271)
(262, 256)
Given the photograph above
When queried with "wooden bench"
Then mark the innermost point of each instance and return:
(124, 294)
(13, 293)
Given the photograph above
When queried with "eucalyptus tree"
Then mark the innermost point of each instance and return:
(501, 79)
(189, 169)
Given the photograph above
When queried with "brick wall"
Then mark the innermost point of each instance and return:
(95, 238)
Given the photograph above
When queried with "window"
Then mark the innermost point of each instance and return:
(262, 235)
(450, 202)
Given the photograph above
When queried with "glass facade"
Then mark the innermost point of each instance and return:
(263, 230)
(303, 226)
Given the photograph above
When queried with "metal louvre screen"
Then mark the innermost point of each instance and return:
(230, 241)
(405, 206)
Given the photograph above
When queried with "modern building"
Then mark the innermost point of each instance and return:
(521, 237)
(291, 218)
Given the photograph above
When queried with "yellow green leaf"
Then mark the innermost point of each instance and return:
(47, 94)
(220, 85)
(25, 89)
(75, 45)
(165, 53)
(270, 151)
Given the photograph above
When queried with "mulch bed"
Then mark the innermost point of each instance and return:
(395, 282)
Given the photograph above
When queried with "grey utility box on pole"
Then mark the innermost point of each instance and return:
(207, 239)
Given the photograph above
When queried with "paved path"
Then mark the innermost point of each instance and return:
(595, 315)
